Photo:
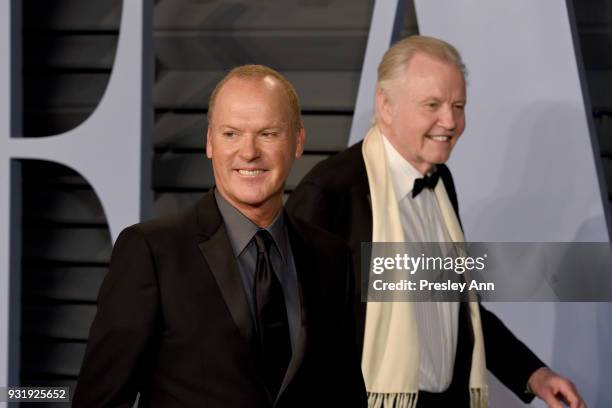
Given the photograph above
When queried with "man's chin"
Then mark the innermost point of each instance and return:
(439, 158)
(254, 200)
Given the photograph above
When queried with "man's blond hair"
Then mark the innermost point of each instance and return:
(394, 62)
(254, 71)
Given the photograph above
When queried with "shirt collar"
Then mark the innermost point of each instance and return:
(241, 230)
(402, 172)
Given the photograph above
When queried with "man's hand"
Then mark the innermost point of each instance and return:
(552, 388)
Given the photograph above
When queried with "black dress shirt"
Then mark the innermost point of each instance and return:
(240, 231)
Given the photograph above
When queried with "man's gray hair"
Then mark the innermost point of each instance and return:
(395, 60)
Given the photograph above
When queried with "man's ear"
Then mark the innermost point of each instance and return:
(209, 149)
(301, 139)
(384, 106)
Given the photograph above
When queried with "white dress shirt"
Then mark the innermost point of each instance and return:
(436, 321)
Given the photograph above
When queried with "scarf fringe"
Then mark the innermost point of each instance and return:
(392, 399)
(479, 397)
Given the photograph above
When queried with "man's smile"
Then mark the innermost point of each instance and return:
(439, 138)
(250, 172)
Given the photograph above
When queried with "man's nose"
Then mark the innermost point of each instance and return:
(249, 149)
(446, 118)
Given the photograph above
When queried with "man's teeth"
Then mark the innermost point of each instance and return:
(250, 172)
(440, 138)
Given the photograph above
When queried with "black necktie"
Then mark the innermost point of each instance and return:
(271, 315)
(425, 182)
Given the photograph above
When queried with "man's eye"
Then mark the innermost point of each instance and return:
(269, 134)
(433, 105)
(229, 134)
(460, 107)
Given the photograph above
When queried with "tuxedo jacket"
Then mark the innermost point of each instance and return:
(336, 196)
(174, 325)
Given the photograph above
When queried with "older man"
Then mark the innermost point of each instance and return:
(394, 187)
(231, 303)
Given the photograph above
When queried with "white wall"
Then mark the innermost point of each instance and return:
(525, 169)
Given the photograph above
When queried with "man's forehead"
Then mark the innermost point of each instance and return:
(433, 76)
(243, 121)
(252, 101)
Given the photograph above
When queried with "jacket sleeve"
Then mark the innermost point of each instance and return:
(121, 335)
(509, 359)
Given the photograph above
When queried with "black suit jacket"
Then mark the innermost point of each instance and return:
(173, 321)
(336, 196)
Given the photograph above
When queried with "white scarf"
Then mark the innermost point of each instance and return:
(390, 361)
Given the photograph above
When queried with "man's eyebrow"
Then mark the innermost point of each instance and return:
(438, 99)
(430, 99)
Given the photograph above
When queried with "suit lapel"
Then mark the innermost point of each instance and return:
(217, 250)
(302, 255)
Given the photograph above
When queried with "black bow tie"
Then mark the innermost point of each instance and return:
(425, 182)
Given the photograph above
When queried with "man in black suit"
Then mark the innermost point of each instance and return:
(420, 101)
(231, 303)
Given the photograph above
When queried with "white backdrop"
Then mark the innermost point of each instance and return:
(525, 168)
